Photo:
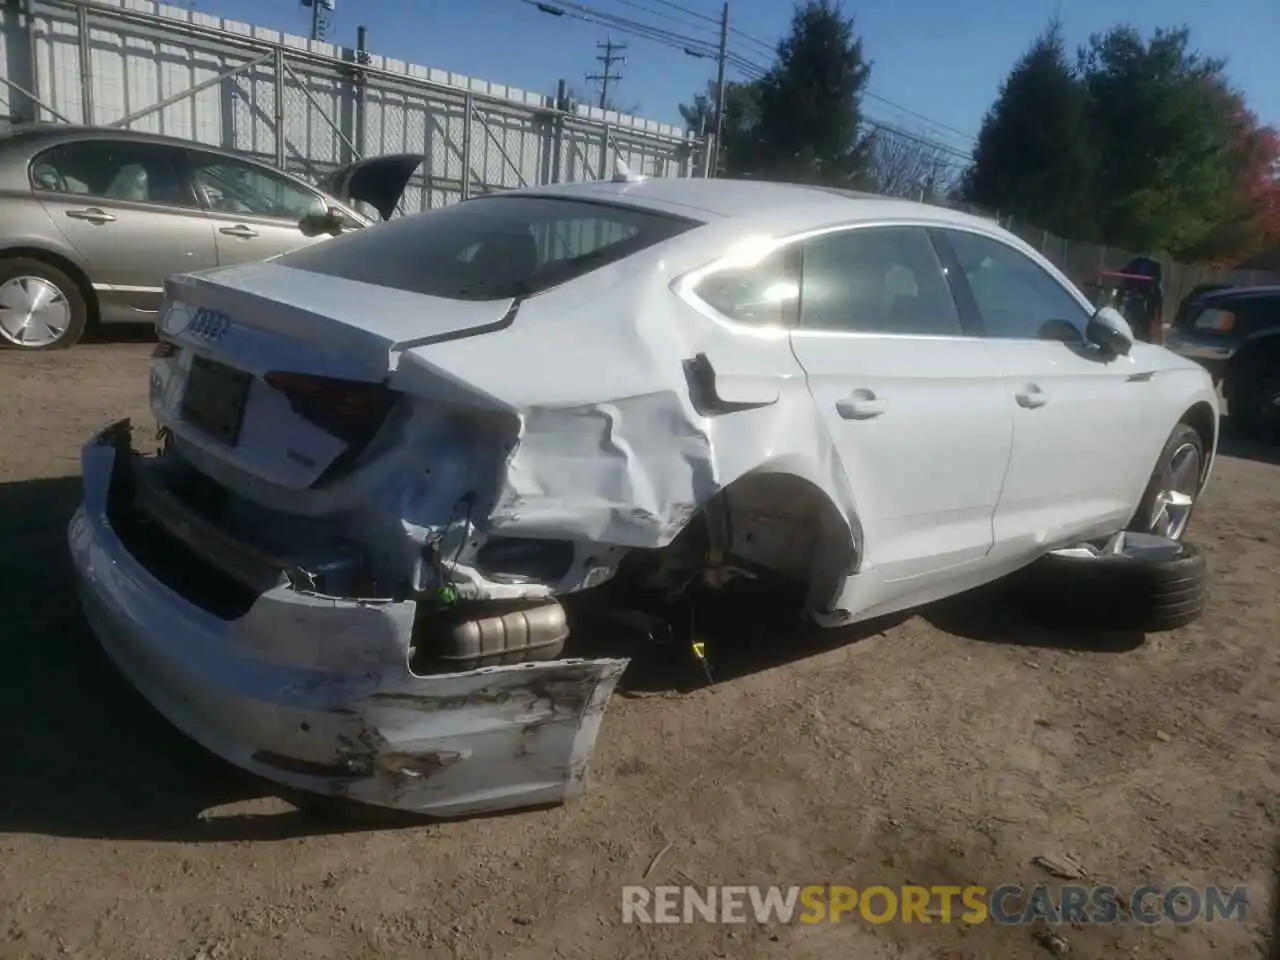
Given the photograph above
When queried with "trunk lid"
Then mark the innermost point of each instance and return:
(281, 372)
(377, 181)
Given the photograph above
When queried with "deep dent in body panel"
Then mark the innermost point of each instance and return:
(352, 720)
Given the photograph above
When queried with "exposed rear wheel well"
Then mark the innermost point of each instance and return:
(763, 523)
(78, 276)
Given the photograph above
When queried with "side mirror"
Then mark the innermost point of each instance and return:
(314, 224)
(1109, 330)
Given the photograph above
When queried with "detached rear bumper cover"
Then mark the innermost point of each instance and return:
(315, 693)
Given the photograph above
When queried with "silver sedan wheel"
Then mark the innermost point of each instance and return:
(1176, 494)
(33, 312)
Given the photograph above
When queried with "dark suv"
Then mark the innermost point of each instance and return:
(1235, 333)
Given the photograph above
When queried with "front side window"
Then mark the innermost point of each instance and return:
(762, 295)
(245, 189)
(113, 170)
(877, 279)
(1016, 297)
(490, 248)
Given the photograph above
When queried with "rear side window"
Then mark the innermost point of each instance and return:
(491, 248)
(764, 294)
(877, 280)
(114, 170)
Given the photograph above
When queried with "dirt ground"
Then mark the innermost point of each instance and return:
(951, 747)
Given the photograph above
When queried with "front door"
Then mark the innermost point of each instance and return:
(255, 210)
(130, 213)
(912, 400)
(1080, 434)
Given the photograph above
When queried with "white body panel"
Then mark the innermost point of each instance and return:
(578, 417)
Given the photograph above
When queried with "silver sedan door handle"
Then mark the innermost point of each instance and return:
(239, 230)
(92, 214)
(861, 405)
(1031, 397)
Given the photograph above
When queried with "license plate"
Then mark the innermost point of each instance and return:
(215, 399)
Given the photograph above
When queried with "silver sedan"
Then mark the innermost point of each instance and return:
(93, 220)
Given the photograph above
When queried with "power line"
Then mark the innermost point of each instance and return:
(771, 48)
(662, 13)
(609, 58)
(696, 47)
(920, 116)
(693, 13)
(690, 45)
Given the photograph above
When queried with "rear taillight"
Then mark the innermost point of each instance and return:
(163, 350)
(351, 410)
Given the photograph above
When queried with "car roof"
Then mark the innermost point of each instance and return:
(38, 134)
(726, 198)
(19, 143)
(1260, 292)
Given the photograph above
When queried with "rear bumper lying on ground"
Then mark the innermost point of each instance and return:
(315, 692)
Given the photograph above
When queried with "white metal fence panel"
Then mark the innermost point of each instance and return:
(307, 105)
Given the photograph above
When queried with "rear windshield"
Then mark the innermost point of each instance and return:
(490, 248)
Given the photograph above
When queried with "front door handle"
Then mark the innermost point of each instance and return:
(239, 230)
(861, 405)
(92, 214)
(1031, 397)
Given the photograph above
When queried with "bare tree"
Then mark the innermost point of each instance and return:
(909, 166)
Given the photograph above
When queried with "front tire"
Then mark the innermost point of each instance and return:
(1174, 487)
(41, 308)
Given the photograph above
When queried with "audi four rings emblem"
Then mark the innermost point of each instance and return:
(209, 324)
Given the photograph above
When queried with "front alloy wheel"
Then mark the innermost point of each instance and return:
(1174, 488)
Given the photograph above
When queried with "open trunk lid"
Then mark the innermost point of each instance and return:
(377, 181)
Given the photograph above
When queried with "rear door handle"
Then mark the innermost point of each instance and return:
(1031, 397)
(239, 230)
(861, 405)
(92, 214)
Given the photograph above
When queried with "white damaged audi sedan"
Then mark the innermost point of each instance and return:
(390, 461)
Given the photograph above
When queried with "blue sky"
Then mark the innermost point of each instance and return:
(943, 59)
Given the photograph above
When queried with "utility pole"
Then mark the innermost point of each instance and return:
(608, 58)
(320, 14)
(720, 64)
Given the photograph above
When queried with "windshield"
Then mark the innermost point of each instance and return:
(490, 248)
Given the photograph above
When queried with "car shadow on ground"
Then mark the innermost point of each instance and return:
(1232, 443)
(1273, 935)
(88, 757)
(998, 614)
(85, 755)
(97, 333)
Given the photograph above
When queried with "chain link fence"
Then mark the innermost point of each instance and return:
(308, 106)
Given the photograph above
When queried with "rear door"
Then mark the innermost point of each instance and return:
(255, 210)
(912, 400)
(1083, 427)
(128, 209)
